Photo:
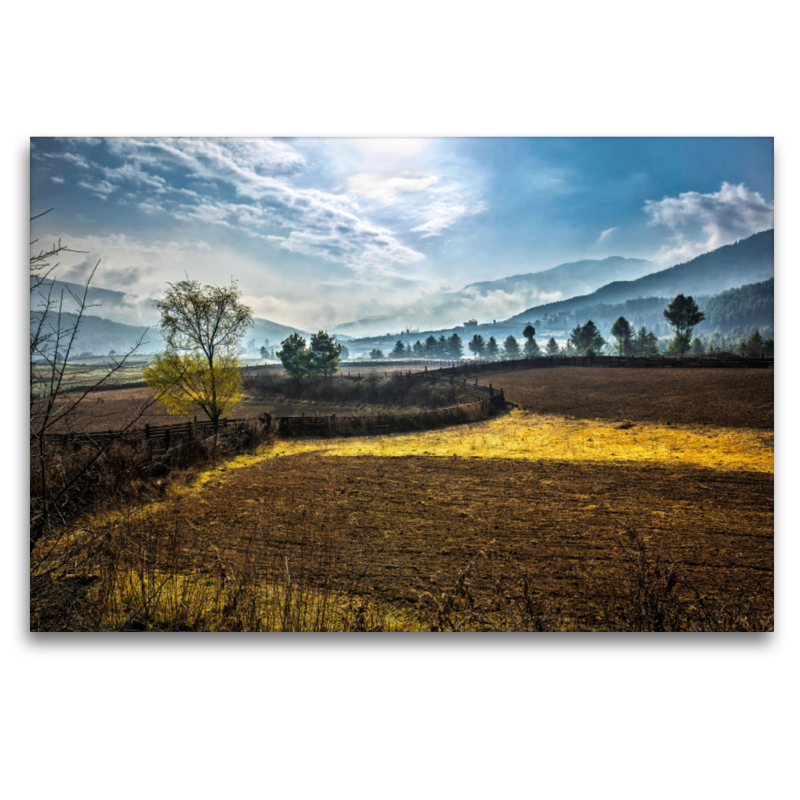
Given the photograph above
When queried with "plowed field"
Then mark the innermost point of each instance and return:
(727, 397)
(546, 498)
(409, 525)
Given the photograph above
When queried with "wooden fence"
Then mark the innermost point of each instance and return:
(726, 361)
(489, 400)
(156, 434)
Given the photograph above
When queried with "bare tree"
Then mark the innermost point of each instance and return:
(54, 405)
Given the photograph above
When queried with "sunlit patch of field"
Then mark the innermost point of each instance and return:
(521, 435)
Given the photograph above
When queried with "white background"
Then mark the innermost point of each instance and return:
(492, 716)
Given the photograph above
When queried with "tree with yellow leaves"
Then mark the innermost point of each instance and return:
(187, 384)
(202, 326)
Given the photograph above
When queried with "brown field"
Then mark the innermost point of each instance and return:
(735, 398)
(400, 523)
(405, 526)
(117, 408)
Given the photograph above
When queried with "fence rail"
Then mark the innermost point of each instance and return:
(490, 399)
(726, 361)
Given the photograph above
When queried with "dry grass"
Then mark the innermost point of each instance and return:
(526, 436)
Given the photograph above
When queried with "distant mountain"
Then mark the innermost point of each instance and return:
(100, 336)
(122, 307)
(576, 277)
(113, 331)
(748, 306)
(488, 300)
(747, 261)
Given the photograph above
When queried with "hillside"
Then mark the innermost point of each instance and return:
(749, 306)
(114, 331)
(100, 336)
(750, 260)
(480, 300)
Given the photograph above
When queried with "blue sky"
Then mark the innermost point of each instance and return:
(322, 231)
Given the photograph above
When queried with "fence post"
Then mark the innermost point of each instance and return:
(146, 431)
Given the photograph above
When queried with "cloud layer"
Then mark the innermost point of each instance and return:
(703, 222)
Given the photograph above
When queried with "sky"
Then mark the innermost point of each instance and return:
(320, 232)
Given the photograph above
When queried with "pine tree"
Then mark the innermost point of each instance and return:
(682, 314)
(511, 347)
(530, 349)
(622, 331)
(492, 349)
(477, 346)
(586, 336)
(455, 347)
(552, 347)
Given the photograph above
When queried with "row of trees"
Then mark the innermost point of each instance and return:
(682, 314)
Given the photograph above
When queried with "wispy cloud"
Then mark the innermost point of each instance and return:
(703, 222)
(606, 233)
(100, 188)
(387, 187)
(56, 179)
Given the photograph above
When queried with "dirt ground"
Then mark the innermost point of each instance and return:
(117, 408)
(724, 397)
(409, 525)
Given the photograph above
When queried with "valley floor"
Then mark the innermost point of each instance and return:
(529, 520)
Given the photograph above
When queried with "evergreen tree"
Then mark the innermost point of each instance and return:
(442, 348)
(375, 353)
(294, 357)
(455, 347)
(682, 314)
(419, 349)
(698, 346)
(530, 349)
(552, 347)
(492, 350)
(511, 347)
(430, 347)
(324, 355)
(645, 342)
(477, 346)
(586, 336)
(622, 331)
(399, 350)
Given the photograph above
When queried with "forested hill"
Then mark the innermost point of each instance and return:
(750, 306)
(100, 336)
(750, 260)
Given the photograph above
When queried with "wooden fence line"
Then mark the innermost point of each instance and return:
(492, 398)
(298, 425)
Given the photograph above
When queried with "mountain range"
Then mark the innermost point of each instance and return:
(495, 298)
(749, 260)
(100, 335)
(634, 291)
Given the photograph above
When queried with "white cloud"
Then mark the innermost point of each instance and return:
(386, 187)
(128, 265)
(703, 222)
(606, 233)
(56, 179)
(101, 188)
(320, 224)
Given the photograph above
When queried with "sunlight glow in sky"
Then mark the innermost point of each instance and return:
(324, 231)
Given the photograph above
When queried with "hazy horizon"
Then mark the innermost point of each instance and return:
(321, 232)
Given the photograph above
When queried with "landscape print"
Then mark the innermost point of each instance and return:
(402, 385)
